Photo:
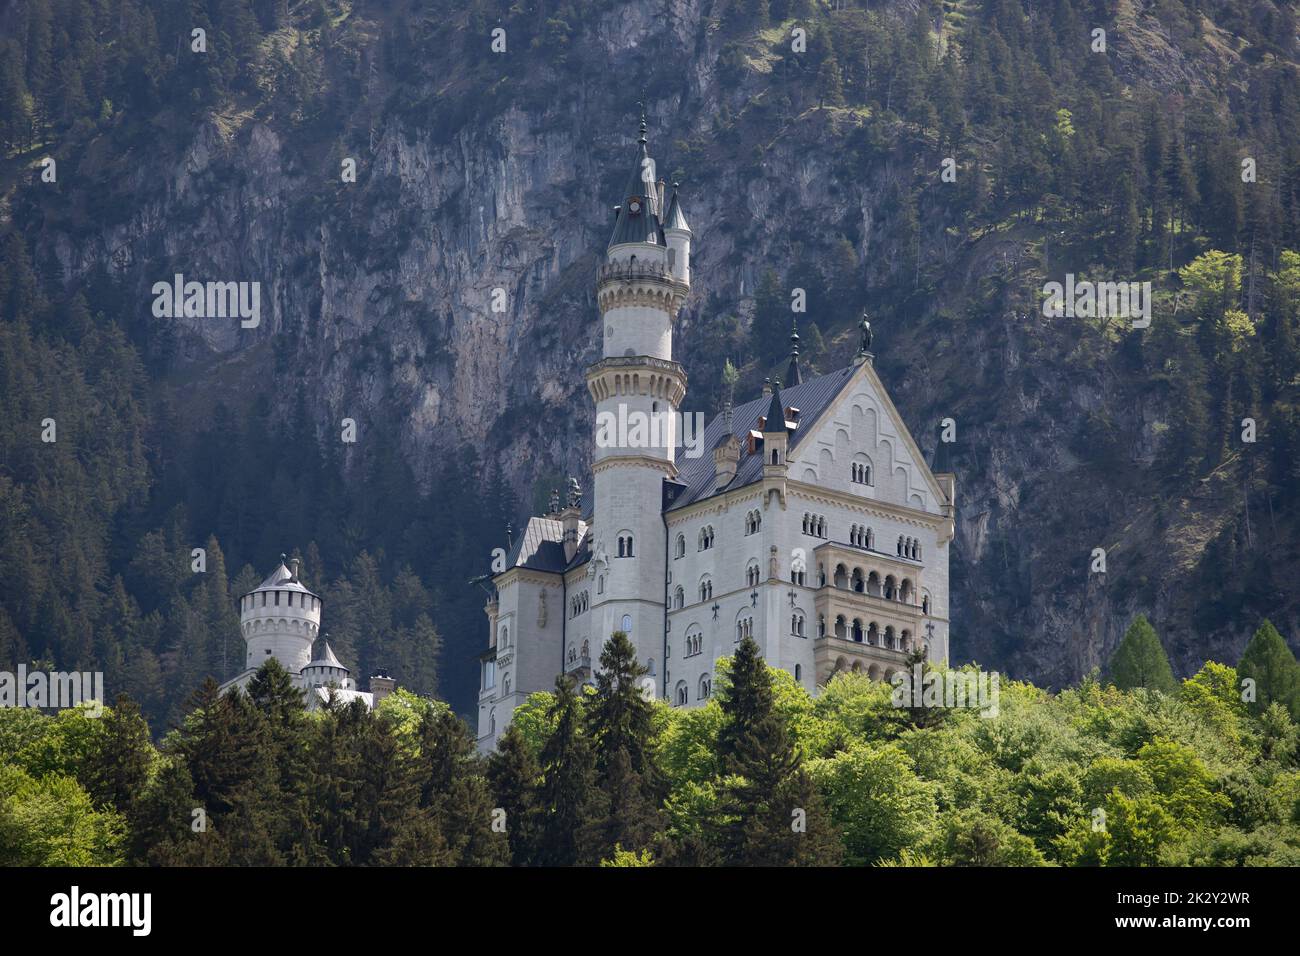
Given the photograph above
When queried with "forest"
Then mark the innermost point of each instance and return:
(1133, 768)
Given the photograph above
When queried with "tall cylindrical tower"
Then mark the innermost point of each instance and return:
(638, 390)
(280, 618)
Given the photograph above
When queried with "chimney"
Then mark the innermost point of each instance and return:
(726, 459)
(381, 686)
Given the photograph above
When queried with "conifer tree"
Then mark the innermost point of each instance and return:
(514, 777)
(771, 814)
(568, 775)
(117, 769)
(453, 786)
(1140, 660)
(1270, 664)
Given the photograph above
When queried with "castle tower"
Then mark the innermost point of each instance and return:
(280, 618)
(637, 389)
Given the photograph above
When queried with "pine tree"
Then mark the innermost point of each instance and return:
(770, 812)
(620, 727)
(514, 777)
(1268, 662)
(117, 769)
(568, 775)
(453, 786)
(1140, 660)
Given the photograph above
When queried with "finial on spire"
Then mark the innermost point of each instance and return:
(792, 375)
(641, 104)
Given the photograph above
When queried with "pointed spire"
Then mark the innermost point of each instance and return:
(792, 376)
(775, 421)
(675, 218)
(638, 215)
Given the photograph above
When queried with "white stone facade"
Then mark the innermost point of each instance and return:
(824, 536)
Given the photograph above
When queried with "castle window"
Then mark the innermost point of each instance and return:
(706, 537)
(796, 624)
(627, 625)
(277, 598)
(798, 672)
(625, 545)
(681, 546)
(505, 684)
(776, 457)
(679, 598)
(680, 695)
(600, 584)
(706, 590)
(752, 575)
(798, 577)
(860, 470)
(706, 686)
(263, 599)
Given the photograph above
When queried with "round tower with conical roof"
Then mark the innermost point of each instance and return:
(280, 618)
(637, 389)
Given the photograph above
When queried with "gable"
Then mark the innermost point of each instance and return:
(862, 425)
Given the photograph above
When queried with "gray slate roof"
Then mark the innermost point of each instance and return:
(812, 398)
(541, 547)
(643, 224)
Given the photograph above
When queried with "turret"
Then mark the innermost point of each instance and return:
(326, 670)
(280, 618)
(678, 236)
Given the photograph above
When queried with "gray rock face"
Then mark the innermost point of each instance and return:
(448, 293)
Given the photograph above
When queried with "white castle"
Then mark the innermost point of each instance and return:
(280, 618)
(815, 526)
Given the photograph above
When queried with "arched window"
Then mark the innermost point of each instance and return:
(861, 470)
(600, 584)
(680, 695)
(797, 624)
(505, 637)
(706, 686)
(492, 721)
(798, 672)
(625, 544)
(627, 624)
(706, 537)
(505, 684)
(650, 667)
(776, 457)
(752, 574)
(681, 546)
(679, 598)
(706, 589)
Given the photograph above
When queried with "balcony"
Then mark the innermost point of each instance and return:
(833, 655)
(578, 666)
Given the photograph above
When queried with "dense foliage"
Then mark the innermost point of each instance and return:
(1124, 165)
(763, 774)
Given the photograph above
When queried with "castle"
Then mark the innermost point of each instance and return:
(280, 618)
(814, 526)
